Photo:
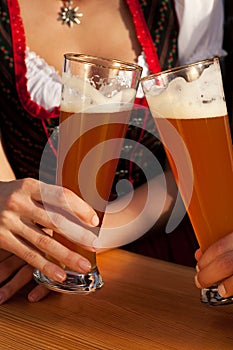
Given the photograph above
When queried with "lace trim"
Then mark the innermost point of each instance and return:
(40, 75)
(19, 53)
(43, 81)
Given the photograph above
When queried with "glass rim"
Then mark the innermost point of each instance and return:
(83, 58)
(179, 68)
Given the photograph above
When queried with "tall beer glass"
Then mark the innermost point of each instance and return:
(189, 109)
(97, 98)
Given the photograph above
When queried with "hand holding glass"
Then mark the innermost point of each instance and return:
(97, 98)
(189, 109)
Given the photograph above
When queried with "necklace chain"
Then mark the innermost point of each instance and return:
(69, 14)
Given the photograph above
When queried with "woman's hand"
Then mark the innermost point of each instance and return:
(15, 274)
(215, 265)
(28, 209)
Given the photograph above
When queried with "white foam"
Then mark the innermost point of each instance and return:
(200, 98)
(80, 96)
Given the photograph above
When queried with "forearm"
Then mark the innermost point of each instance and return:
(6, 172)
(130, 217)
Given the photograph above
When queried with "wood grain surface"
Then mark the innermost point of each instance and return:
(144, 304)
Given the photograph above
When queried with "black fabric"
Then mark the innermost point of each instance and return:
(24, 138)
(227, 62)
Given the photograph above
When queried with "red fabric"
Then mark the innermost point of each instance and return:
(19, 48)
(143, 35)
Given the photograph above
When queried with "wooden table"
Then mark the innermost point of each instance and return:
(144, 304)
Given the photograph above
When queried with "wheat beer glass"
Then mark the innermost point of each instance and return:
(97, 98)
(189, 109)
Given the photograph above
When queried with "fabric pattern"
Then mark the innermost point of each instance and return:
(20, 131)
(163, 27)
(27, 125)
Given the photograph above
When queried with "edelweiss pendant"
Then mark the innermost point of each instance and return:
(68, 14)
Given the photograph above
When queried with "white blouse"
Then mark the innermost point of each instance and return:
(44, 82)
(201, 28)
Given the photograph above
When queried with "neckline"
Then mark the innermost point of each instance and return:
(19, 54)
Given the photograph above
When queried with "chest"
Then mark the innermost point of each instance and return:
(106, 30)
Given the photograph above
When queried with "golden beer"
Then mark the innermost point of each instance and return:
(97, 98)
(208, 141)
(110, 126)
(189, 109)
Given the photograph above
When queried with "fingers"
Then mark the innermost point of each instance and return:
(38, 293)
(60, 253)
(9, 266)
(66, 225)
(15, 274)
(51, 206)
(42, 243)
(225, 288)
(198, 254)
(215, 265)
(219, 269)
(21, 208)
(218, 248)
(51, 247)
(16, 283)
(51, 196)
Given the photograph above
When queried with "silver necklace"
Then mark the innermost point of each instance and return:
(68, 14)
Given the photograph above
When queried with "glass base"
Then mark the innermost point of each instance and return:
(75, 282)
(212, 297)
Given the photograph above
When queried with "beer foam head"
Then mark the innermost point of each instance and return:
(199, 98)
(80, 96)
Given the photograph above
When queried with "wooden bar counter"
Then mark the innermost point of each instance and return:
(144, 304)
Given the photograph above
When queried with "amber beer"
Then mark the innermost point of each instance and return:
(193, 104)
(93, 129)
(210, 207)
(96, 101)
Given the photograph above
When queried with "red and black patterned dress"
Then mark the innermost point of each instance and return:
(25, 126)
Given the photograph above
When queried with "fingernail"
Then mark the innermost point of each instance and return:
(197, 282)
(59, 276)
(33, 297)
(85, 264)
(222, 290)
(95, 220)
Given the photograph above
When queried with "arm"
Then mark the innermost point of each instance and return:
(130, 217)
(6, 172)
